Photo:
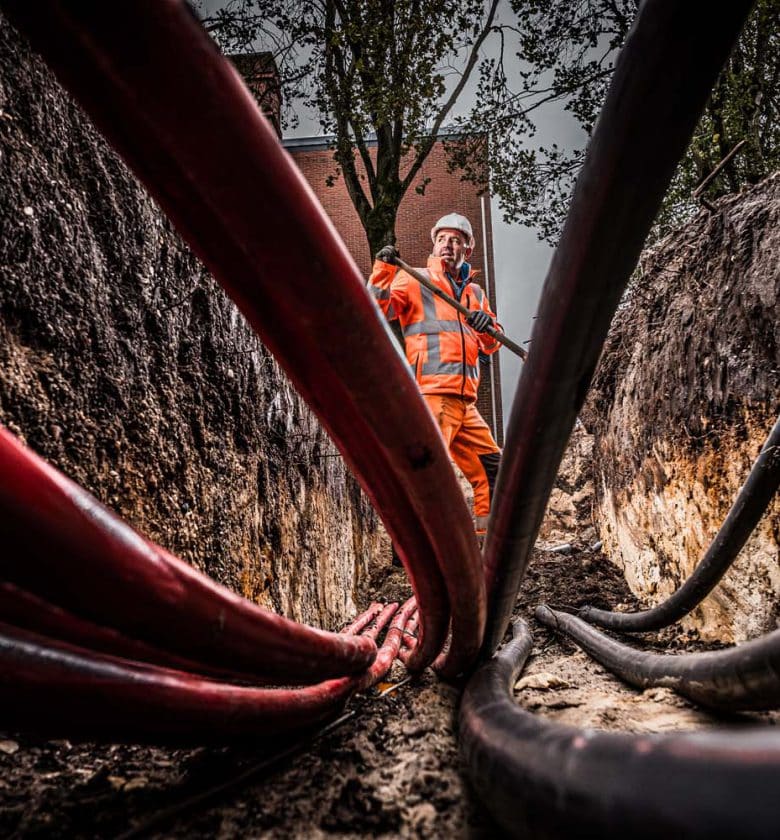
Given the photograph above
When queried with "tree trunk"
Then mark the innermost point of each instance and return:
(379, 225)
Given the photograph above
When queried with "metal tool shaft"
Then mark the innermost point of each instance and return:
(491, 331)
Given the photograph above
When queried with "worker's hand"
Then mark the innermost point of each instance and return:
(479, 321)
(388, 254)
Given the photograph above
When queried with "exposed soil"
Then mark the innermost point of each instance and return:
(684, 396)
(125, 365)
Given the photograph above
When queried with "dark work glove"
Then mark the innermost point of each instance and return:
(479, 320)
(388, 254)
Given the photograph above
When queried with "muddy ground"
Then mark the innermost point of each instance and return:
(393, 770)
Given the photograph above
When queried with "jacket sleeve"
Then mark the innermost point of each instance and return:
(388, 286)
(488, 344)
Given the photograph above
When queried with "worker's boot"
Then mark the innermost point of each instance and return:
(480, 526)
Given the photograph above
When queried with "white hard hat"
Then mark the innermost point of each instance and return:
(454, 221)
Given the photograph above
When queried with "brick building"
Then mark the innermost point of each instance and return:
(261, 76)
(444, 193)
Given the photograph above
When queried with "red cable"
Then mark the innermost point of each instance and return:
(99, 695)
(184, 121)
(63, 545)
(364, 618)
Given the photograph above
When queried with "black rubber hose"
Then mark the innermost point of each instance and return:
(544, 779)
(738, 679)
(746, 512)
(662, 79)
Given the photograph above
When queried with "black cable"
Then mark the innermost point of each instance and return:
(541, 779)
(740, 678)
(746, 512)
(663, 77)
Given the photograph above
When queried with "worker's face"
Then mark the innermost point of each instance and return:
(450, 246)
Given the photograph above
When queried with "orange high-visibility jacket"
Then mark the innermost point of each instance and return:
(441, 347)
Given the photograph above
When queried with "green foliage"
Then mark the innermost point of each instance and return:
(566, 53)
(745, 105)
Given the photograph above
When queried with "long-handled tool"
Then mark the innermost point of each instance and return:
(491, 331)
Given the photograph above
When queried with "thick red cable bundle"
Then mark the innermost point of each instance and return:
(60, 543)
(29, 612)
(110, 683)
(184, 121)
(103, 695)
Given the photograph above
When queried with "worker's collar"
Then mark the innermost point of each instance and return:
(458, 282)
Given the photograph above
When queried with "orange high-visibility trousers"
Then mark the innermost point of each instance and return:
(471, 447)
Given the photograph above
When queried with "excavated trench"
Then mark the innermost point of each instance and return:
(392, 769)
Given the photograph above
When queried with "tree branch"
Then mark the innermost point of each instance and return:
(427, 144)
(344, 154)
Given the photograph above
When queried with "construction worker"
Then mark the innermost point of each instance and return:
(443, 347)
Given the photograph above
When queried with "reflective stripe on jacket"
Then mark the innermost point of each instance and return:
(441, 348)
